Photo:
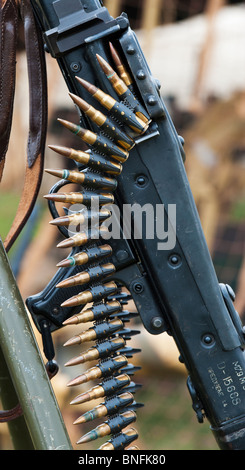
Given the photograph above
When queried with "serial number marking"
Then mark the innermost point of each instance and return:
(215, 382)
(239, 373)
(229, 383)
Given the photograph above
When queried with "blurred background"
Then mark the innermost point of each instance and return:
(196, 48)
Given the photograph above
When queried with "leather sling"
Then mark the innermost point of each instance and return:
(11, 13)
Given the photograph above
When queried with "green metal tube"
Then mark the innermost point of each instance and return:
(18, 430)
(26, 367)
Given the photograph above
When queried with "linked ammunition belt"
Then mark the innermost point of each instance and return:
(97, 169)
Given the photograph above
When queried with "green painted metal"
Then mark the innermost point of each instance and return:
(18, 430)
(26, 368)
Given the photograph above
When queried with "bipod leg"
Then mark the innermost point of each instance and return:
(26, 367)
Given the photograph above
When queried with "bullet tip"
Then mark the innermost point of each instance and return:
(72, 341)
(67, 303)
(64, 151)
(53, 172)
(65, 263)
(53, 147)
(79, 399)
(59, 285)
(77, 381)
(65, 244)
(73, 96)
(70, 321)
(80, 420)
(75, 361)
(82, 439)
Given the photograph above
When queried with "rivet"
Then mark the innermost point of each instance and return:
(122, 255)
(130, 50)
(157, 323)
(141, 180)
(151, 100)
(141, 75)
(138, 288)
(174, 259)
(75, 66)
(208, 339)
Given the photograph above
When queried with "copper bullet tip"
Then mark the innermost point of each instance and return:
(66, 243)
(83, 82)
(69, 303)
(105, 66)
(65, 263)
(60, 221)
(80, 420)
(76, 300)
(59, 149)
(52, 172)
(79, 101)
(89, 355)
(82, 398)
(55, 197)
(77, 381)
(114, 55)
(70, 321)
(83, 439)
(88, 86)
(72, 341)
(72, 127)
(73, 362)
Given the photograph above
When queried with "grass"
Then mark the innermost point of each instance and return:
(8, 207)
(238, 211)
(9, 202)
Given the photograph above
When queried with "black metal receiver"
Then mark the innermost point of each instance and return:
(170, 274)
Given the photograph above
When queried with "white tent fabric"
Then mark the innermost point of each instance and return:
(175, 55)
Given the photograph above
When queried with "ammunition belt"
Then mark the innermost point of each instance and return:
(100, 299)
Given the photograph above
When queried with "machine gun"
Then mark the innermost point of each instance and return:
(134, 167)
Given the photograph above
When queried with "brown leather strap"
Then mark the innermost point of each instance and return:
(9, 415)
(37, 112)
(37, 84)
(28, 198)
(9, 17)
(8, 44)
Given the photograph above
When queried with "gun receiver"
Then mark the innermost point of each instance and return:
(170, 275)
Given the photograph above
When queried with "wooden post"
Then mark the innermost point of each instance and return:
(113, 6)
(150, 17)
(240, 294)
(169, 11)
(212, 9)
